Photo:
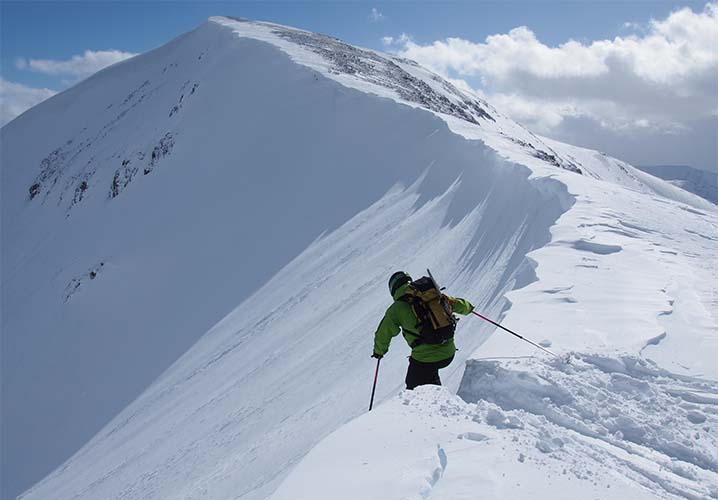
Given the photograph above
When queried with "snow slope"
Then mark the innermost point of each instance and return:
(527, 429)
(187, 177)
(701, 182)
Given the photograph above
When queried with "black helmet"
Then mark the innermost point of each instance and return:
(397, 279)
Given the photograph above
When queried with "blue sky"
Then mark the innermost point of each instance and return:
(51, 33)
(60, 29)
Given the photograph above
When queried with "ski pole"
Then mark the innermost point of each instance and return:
(516, 334)
(373, 389)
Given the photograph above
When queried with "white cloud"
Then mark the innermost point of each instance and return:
(396, 43)
(78, 66)
(375, 16)
(547, 116)
(658, 79)
(15, 98)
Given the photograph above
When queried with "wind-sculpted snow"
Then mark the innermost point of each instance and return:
(595, 427)
(247, 402)
(625, 272)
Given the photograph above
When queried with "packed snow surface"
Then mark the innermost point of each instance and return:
(594, 427)
(290, 173)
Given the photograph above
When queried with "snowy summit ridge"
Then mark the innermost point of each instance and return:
(194, 264)
(399, 78)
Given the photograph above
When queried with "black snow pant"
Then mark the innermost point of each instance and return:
(421, 373)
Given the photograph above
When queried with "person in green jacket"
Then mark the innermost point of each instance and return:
(426, 359)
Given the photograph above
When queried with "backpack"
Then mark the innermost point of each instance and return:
(431, 307)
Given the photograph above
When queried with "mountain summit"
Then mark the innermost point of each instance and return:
(196, 243)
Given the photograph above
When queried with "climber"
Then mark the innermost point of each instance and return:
(425, 316)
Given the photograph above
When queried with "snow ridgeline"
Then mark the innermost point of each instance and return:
(596, 427)
(629, 272)
(446, 182)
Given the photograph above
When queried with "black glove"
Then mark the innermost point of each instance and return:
(377, 355)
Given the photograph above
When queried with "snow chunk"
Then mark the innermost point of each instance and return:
(696, 417)
(509, 389)
(501, 421)
(621, 401)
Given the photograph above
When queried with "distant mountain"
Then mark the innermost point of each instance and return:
(700, 182)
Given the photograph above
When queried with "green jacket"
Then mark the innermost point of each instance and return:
(401, 317)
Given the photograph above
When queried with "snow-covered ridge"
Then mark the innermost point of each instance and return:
(177, 240)
(623, 232)
(627, 271)
(383, 71)
(397, 78)
(407, 82)
(175, 193)
(63, 175)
